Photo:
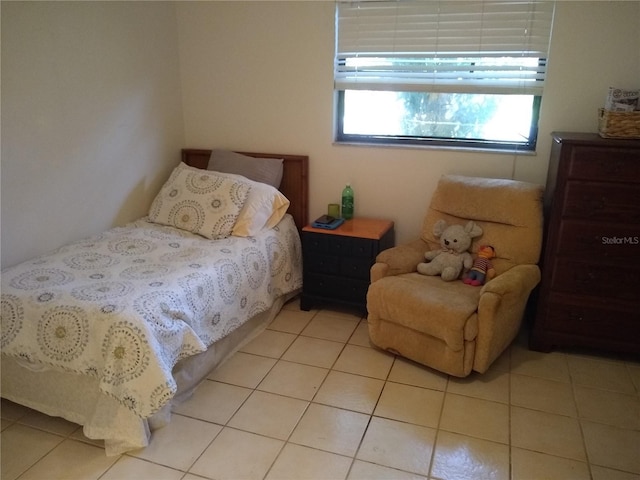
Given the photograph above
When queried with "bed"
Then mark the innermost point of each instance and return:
(113, 331)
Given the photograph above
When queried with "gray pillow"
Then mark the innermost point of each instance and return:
(264, 170)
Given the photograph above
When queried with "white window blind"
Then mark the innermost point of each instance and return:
(443, 46)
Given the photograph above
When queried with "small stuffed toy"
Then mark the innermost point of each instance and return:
(452, 258)
(482, 268)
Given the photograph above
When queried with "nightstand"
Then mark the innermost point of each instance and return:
(337, 262)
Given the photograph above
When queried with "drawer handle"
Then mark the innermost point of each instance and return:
(612, 167)
(595, 203)
(585, 278)
(575, 316)
(588, 241)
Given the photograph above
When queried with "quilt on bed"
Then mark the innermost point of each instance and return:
(127, 305)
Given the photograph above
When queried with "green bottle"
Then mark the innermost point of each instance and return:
(347, 202)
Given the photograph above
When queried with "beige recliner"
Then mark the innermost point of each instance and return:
(451, 326)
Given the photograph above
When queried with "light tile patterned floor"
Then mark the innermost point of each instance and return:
(310, 398)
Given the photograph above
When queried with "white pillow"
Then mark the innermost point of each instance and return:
(264, 208)
(200, 201)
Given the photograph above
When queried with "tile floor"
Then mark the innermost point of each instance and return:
(310, 398)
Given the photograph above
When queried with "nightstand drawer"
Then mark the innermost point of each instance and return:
(363, 247)
(318, 284)
(355, 267)
(336, 287)
(315, 242)
(320, 263)
(340, 246)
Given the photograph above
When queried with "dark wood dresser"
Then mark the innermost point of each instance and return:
(589, 295)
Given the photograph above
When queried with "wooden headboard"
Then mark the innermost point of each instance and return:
(295, 179)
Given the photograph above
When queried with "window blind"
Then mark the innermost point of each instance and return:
(443, 46)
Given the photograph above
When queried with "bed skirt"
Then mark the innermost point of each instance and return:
(77, 398)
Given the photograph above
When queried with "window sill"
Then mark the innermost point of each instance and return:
(506, 151)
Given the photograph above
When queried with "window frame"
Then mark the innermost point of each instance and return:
(440, 142)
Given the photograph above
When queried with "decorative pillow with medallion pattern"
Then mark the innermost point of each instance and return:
(200, 201)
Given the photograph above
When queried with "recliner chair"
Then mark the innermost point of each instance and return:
(451, 326)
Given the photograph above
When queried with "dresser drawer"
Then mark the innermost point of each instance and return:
(565, 315)
(600, 163)
(609, 202)
(579, 238)
(594, 279)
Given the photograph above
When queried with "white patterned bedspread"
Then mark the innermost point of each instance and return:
(127, 305)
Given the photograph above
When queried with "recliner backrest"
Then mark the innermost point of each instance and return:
(508, 211)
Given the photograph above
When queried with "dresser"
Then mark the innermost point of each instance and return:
(589, 295)
(337, 263)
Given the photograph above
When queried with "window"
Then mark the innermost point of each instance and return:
(451, 73)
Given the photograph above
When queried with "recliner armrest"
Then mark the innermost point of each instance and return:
(397, 260)
(519, 278)
(500, 311)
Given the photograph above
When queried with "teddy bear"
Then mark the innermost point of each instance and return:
(453, 257)
(482, 268)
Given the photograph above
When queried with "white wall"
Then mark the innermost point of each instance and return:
(258, 76)
(91, 118)
(92, 115)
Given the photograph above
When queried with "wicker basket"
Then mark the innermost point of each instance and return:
(618, 124)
